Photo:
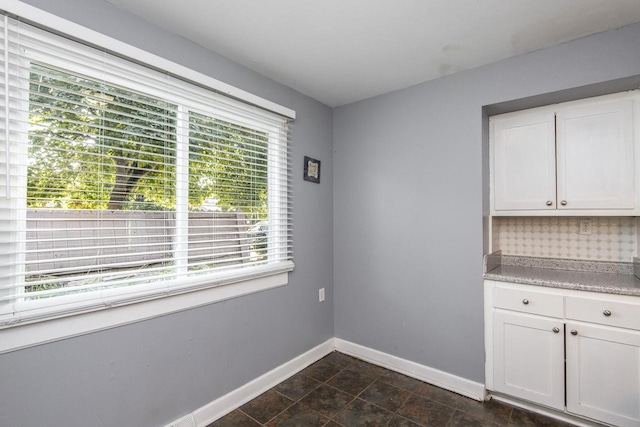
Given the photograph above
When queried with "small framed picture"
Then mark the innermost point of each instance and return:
(311, 170)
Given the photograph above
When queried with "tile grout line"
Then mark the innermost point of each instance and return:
(287, 407)
(295, 402)
(343, 368)
(250, 417)
(300, 399)
(332, 418)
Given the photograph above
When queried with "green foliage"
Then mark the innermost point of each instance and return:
(45, 287)
(97, 146)
(82, 155)
(229, 162)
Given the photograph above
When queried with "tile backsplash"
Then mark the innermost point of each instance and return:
(611, 238)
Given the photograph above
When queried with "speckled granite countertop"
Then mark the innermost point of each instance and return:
(594, 276)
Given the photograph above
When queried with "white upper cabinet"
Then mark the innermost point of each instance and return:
(595, 157)
(576, 158)
(524, 158)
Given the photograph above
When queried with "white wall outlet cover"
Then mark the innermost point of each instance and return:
(321, 294)
(585, 226)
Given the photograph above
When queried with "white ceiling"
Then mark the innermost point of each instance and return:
(341, 51)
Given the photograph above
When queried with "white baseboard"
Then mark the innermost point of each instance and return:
(562, 416)
(220, 407)
(238, 397)
(424, 373)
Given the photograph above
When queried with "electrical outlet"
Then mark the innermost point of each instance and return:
(585, 226)
(321, 294)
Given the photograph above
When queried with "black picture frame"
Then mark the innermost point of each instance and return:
(311, 170)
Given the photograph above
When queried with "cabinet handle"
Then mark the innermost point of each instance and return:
(525, 301)
(549, 203)
(556, 330)
(574, 332)
(607, 313)
(563, 203)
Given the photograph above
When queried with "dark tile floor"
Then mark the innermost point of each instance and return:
(339, 390)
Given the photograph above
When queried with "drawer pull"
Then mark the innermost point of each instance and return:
(574, 332)
(556, 330)
(525, 301)
(607, 313)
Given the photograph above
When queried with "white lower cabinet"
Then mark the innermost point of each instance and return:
(583, 359)
(529, 357)
(603, 373)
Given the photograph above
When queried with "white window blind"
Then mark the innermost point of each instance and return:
(119, 183)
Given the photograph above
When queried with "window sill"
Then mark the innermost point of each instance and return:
(21, 336)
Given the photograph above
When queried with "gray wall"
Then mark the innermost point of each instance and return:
(152, 372)
(411, 196)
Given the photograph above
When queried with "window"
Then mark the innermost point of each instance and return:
(122, 184)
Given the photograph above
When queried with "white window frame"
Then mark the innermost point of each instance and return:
(144, 303)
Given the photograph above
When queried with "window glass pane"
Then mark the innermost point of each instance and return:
(94, 146)
(100, 182)
(228, 181)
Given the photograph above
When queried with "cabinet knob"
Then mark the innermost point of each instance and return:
(556, 330)
(574, 332)
(563, 203)
(549, 203)
(607, 313)
(525, 301)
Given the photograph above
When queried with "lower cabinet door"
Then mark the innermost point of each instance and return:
(603, 373)
(529, 357)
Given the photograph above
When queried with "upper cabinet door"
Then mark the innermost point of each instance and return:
(524, 161)
(595, 156)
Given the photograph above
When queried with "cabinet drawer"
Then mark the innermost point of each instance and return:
(529, 301)
(604, 312)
